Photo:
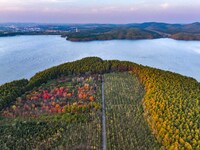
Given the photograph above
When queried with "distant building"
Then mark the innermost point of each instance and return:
(77, 30)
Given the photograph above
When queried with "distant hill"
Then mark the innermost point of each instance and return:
(113, 34)
(148, 30)
(89, 32)
(185, 36)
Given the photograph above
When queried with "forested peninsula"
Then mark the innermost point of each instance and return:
(61, 107)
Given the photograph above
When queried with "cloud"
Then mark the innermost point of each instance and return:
(165, 5)
(104, 9)
(98, 11)
(39, 5)
(133, 9)
(25, 2)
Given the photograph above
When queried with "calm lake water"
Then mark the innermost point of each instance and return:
(23, 56)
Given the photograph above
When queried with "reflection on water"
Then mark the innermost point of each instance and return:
(23, 56)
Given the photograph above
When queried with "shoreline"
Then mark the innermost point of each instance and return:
(67, 39)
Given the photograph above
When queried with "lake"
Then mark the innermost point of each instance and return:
(23, 56)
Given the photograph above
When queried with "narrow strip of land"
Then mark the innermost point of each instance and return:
(103, 117)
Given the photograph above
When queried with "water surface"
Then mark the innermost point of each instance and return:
(23, 56)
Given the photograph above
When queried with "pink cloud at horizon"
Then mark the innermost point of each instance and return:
(70, 11)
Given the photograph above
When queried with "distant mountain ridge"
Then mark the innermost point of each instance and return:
(89, 32)
(172, 28)
(147, 30)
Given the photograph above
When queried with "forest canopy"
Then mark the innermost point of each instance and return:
(171, 101)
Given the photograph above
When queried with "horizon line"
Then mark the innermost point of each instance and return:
(97, 23)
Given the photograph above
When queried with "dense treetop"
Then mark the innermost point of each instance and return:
(171, 103)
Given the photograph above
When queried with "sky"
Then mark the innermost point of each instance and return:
(100, 11)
